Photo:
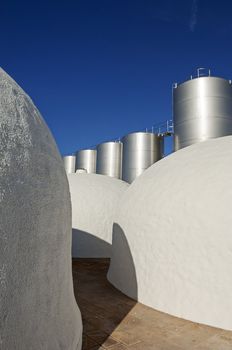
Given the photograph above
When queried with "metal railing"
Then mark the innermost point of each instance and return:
(202, 72)
(165, 128)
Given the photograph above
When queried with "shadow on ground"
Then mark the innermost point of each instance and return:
(102, 306)
(113, 321)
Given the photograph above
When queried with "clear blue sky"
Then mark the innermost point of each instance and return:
(98, 69)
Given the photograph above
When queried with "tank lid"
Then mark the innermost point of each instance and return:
(69, 155)
(86, 149)
(109, 142)
(200, 73)
(139, 133)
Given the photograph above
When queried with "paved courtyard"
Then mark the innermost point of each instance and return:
(113, 321)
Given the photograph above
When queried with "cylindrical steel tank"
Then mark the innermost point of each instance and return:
(202, 109)
(86, 159)
(140, 150)
(109, 159)
(69, 164)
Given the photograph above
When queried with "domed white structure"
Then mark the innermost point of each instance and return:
(94, 202)
(37, 305)
(172, 240)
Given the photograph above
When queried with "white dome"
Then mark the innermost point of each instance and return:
(37, 305)
(172, 239)
(94, 202)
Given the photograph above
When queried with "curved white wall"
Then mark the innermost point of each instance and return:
(172, 240)
(94, 203)
(37, 305)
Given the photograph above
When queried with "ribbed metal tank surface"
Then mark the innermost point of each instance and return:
(140, 150)
(86, 159)
(109, 159)
(202, 109)
(69, 164)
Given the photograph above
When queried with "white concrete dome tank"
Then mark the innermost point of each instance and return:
(69, 164)
(94, 202)
(38, 309)
(202, 109)
(172, 239)
(86, 159)
(109, 159)
(140, 151)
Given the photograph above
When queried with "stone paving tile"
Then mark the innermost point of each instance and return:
(156, 343)
(118, 347)
(225, 335)
(97, 336)
(220, 341)
(113, 321)
(102, 338)
(155, 346)
(109, 343)
(128, 338)
(88, 344)
(156, 318)
(192, 335)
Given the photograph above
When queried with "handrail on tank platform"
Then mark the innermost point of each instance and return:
(202, 72)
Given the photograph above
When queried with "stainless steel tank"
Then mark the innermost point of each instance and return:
(202, 109)
(109, 159)
(86, 159)
(140, 150)
(69, 164)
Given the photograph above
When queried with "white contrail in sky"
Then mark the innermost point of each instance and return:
(193, 20)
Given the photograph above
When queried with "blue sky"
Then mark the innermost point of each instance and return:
(98, 69)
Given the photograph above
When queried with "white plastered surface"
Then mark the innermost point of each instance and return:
(176, 221)
(38, 310)
(94, 202)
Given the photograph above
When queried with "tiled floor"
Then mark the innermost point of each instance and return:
(115, 322)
